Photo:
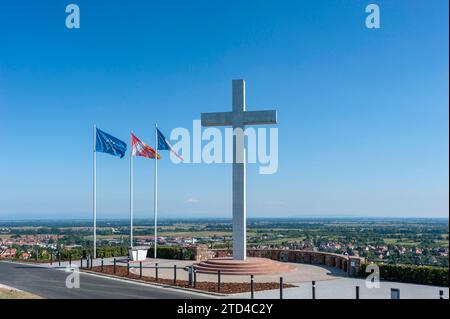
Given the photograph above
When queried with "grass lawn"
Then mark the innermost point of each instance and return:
(9, 293)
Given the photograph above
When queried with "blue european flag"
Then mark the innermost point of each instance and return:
(109, 144)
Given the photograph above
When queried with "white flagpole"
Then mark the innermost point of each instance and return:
(131, 194)
(155, 202)
(94, 204)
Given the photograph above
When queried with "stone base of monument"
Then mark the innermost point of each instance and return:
(250, 266)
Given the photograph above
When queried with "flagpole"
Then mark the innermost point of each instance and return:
(155, 201)
(94, 204)
(131, 192)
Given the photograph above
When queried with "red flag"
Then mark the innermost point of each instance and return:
(139, 148)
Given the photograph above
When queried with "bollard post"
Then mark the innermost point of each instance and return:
(87, 263)
(156, 272)
(441, 294)
(128, 268)
(81, 263)
(218, 280)
(175, 275)
(281, 287)
(102, 264)
(92, 262)
(51, 258)
(140, 269)
(190, 270)
(59, 259)
(70, 260)
(252, 294)
(114, 267)
(313, 290)
(395, 293)
(357, 292)
(195, 278)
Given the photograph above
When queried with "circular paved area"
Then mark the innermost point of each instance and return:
(300, 274)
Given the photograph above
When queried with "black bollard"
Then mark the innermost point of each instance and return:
(92, 262)
(218, 280)
(195, 278)
(59, 259)
(114, 267)
(190, 270)
(51, 258)
(357, 292)
(395, 293)
(156, 271)
(102, 264)
(128, 268)
(252, 294)
(174, 274)
(87, 263)
(81, 263)
(313, 290)
(441, 294)
(70, 260)
(140, 269)
(281, 287)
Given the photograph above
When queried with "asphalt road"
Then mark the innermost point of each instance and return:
(51, 283)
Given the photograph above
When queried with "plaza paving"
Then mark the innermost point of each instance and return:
(302, 273)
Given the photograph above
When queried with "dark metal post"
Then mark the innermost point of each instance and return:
(70, 260)
(59, 259)
(114, 267)
(140, 269)
(174, 274)
(441, 294)
(281, 287)
(218, 280)
(156, 272)
(128, 268)
(51, 258)
(190, 270)
(81, 263)
(395, 293)
(252, 294)
(357, 292)
(102, 264)
(195, 277)
(313, 290)
(87, 263)
(92, 261)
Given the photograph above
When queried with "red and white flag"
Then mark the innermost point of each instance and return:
(139, 148)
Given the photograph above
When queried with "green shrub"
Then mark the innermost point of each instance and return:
(172, 252)
(425, 275)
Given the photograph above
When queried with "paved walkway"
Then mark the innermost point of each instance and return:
(344, 288)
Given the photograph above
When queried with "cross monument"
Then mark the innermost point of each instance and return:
(238, 118)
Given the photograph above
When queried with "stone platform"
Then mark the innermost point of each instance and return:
(250, 266)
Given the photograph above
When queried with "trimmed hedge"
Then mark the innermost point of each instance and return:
(425, 275)
(172, 252)
(105, 251)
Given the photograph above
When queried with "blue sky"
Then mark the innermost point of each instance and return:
(363, 114)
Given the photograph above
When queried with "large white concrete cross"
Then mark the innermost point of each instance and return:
(238, 118)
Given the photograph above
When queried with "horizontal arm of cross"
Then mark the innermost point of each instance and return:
(260, 117)
(217, 119)
(244, 118)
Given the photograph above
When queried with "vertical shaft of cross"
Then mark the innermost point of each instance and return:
(239, 173)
